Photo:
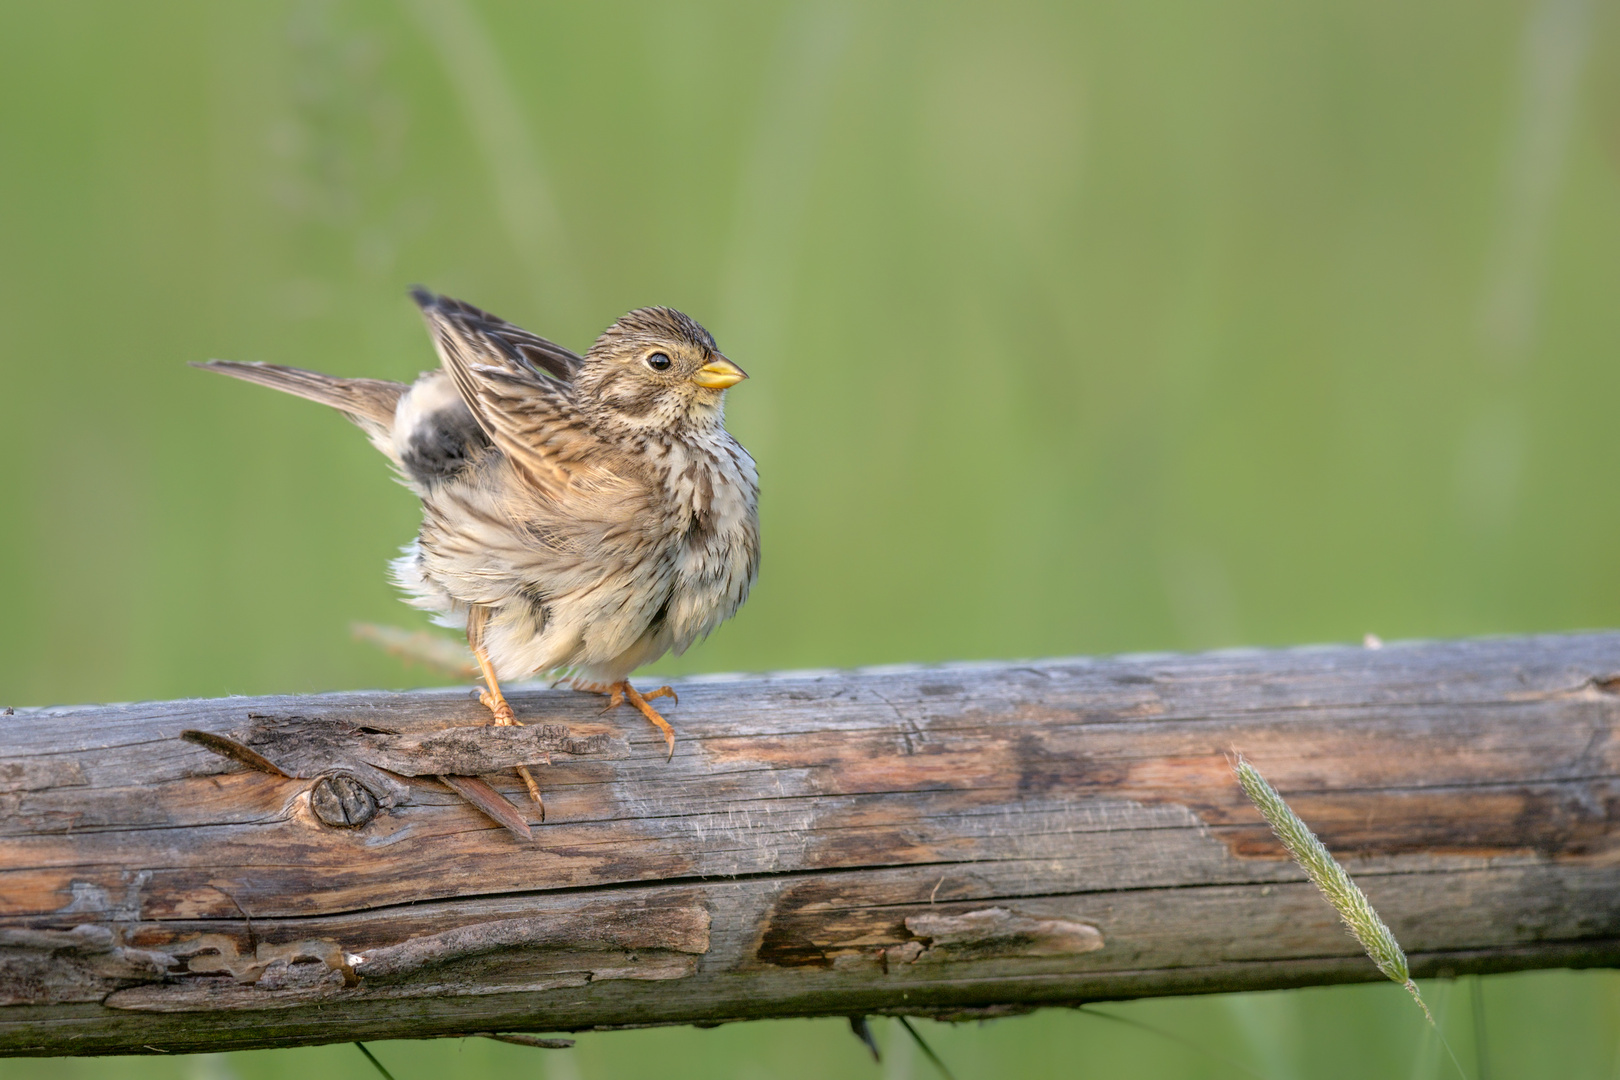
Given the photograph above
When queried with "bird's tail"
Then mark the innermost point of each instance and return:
(370, 403)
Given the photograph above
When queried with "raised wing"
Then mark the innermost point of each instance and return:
(509, 379)
(516, 345)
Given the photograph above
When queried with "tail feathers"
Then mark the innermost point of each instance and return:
(370, 403)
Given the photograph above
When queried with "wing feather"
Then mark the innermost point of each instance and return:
(514, 389)
(514, 345)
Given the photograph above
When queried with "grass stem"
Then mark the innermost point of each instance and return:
(373, 1059)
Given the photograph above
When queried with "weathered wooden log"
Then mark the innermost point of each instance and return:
(947, 841)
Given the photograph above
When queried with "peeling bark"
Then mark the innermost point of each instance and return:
(956, 842)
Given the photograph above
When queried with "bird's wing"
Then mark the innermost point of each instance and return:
(527, 412)
(517, 347)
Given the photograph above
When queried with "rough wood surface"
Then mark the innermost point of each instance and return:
(940, 840)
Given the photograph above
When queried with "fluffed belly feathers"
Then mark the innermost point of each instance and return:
(637, 568)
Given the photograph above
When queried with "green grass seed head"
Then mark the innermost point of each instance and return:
(1324, 870)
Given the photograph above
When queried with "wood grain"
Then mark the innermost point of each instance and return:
(949, 841)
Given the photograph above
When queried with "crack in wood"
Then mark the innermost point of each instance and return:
(170, 972)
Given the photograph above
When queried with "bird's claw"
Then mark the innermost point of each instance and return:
(620, 692)
(534, 791)
(497, 705)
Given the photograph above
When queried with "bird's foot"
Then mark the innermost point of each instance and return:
(497, 704)
(620, 692)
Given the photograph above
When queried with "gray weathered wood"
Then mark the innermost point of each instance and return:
(941, 841)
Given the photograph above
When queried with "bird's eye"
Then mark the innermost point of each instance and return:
(658, 361)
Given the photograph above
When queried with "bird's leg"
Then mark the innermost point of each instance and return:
(494, 700)
(620, 692)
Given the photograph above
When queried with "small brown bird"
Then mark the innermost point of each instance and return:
(581, 515)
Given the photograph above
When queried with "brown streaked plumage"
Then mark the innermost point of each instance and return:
(581, 515)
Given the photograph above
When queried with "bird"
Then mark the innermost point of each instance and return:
(582, 515)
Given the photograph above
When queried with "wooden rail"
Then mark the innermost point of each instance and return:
(947, 841)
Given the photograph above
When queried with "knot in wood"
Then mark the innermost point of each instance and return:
(342, 802)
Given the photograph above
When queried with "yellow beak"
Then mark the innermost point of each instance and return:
(719, 375)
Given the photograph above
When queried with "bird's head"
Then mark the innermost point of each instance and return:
(656, 369)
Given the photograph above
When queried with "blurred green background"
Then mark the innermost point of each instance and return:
(1074, 328)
